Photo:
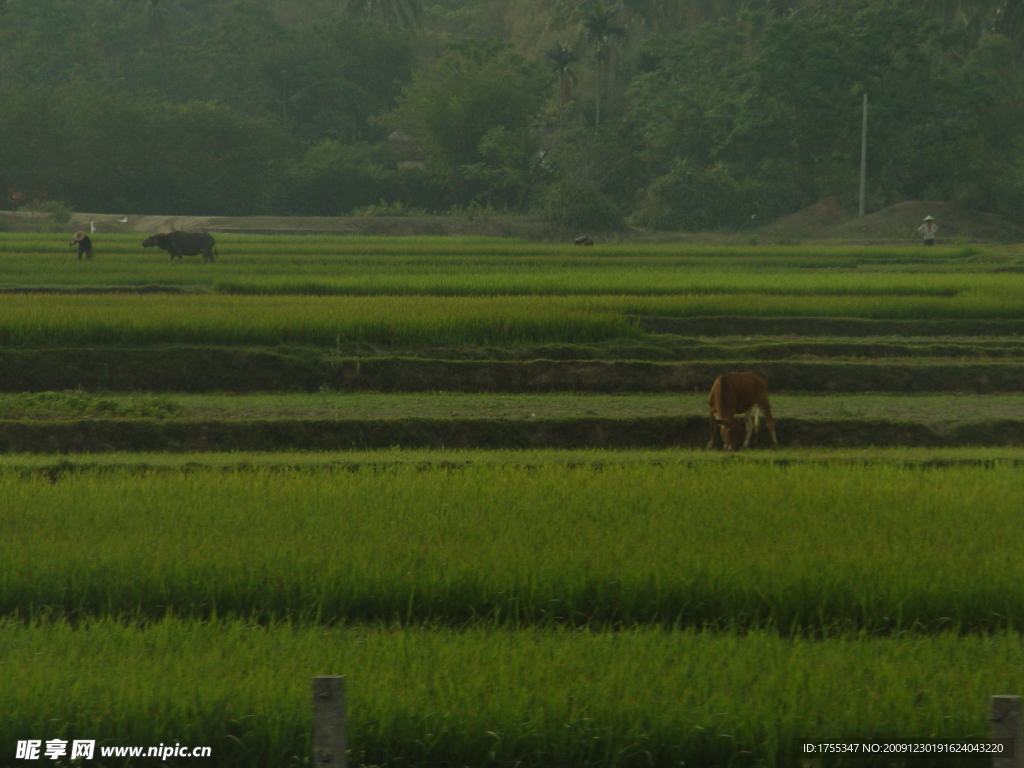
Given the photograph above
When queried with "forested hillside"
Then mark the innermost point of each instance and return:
(675, 114)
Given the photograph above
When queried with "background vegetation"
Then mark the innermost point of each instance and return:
(678, 114)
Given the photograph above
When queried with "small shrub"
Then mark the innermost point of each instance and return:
(58, 212)
(581, 207)
(384, 208)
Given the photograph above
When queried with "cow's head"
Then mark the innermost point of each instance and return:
(733, 432)
(159, 240)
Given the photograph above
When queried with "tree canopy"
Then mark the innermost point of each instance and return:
(672, 113)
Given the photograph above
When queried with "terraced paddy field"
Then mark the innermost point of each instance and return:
(487, 696)
(78, 421)
(550, 608)
(467, 474)
(603, 543)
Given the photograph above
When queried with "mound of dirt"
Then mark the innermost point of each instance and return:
(813, 221)
(836, 219)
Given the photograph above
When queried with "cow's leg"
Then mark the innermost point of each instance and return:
(714, 426)
(750, 424)
(770, 421)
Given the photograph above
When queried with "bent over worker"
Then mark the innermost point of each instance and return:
(84, 244)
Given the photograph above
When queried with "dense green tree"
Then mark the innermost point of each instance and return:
(470, 113)
(193, 158)
(730, 109)
(100, 98)
(768, 130)
(475, 87)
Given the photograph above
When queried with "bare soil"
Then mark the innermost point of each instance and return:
(831, 220)
(593, 432)
(223, 369)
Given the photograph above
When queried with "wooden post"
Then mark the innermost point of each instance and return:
(329, 737)
(1005, 719)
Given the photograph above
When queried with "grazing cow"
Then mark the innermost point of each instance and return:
(183, 244)
(583, 241)
(84, 244)
(739, 394)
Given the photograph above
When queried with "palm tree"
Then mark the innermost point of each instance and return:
(600, 24)
(160, 16)
(562, 58)
(394, 14)
(1005, 17)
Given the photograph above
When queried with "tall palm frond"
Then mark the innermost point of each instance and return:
(599, 21)
(562, 58)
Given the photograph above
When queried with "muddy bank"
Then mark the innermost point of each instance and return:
(827, 326)
(328, 435)
(221, 369)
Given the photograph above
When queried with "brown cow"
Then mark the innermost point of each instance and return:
(739, 394)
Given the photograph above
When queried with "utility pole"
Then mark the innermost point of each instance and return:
(863, 152)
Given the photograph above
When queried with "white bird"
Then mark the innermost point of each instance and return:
(124, 220)
(92, 228)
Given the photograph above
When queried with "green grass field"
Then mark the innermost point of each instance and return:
(482, 697)
(507, 608)
(55, 467)
(49, 320)
(929, 409)
(416, 291)
(807, 547)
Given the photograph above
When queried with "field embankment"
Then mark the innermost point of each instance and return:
(484, 315)
(95, 435)
(220, 369)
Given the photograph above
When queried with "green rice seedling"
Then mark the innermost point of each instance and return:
(682, 460)
(34, 320)
(81, 405)
(54, 320)
(422, 697)
(482, 266)
(22, 242)
(806, 548)
(900, 408)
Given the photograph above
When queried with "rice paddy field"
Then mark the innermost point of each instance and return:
(469, 475)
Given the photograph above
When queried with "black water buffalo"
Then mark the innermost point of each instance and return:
(183, 244)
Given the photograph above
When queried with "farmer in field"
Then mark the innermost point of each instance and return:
(928, 230)
(84, 244)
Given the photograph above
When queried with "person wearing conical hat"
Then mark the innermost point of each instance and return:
(928, 230)
(84, 244)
